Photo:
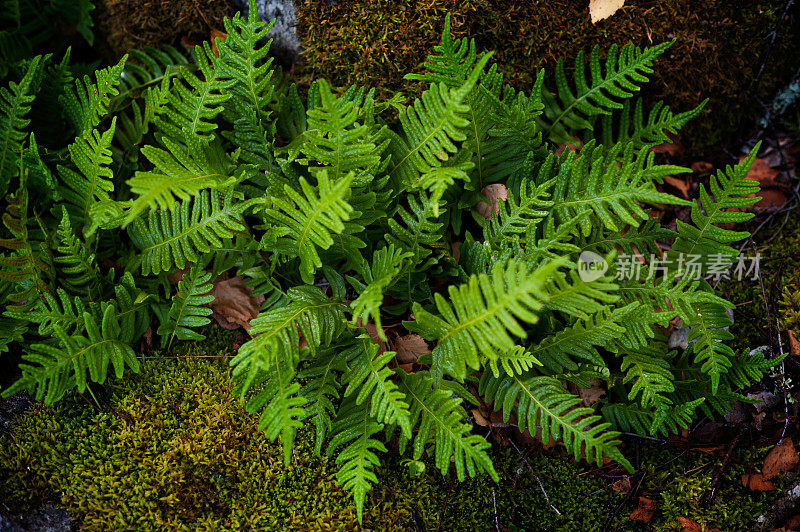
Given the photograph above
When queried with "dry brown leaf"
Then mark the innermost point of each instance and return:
(216, 34)
(781, 459)
(773, 193)
(681, 184)
(575, 145)
(480, 418)
(593, 393)
(702, 167)
(794, 344)
(623, 486)
(176, 276)
(756, 482)
(491, 193)
(409, 348)
(762, 172)
(687, 525)
(373, 333)
(233, 306)
(602, 9)
(645, 511)
(669, 148)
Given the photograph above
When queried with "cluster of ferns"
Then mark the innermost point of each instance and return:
(344, 210)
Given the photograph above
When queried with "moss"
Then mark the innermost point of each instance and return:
(679, 488)
(130, 24)
(718, 50)
(172, 448)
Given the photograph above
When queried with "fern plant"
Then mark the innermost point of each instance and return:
(352, 215)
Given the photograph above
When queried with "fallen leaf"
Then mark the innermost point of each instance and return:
(781, 459)
(373, 333)
(233, 305)
(702, 167)
(409, 348)
(645, 511)
(756, 482)
(602, 9)
(575, 145)
(491, 193)
(176, 276)
(687, 525)
(681, 184)
(623, 486)
(669, 148)
(794, 344)
(762, 172)
(480, 419)
(593, 393)
(216, 34)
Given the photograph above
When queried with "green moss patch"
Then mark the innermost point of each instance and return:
(172, 448)
(717, 54)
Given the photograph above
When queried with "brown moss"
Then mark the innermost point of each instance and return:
(129, 24)
(720, 44)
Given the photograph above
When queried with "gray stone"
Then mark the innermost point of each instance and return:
(285, 43)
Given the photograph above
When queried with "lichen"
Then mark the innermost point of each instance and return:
(717, 53)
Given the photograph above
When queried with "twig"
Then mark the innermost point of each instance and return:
(779, 512)
(784, 390)
(444, 506)
(536, 476)
(494, 504)
(709, 495)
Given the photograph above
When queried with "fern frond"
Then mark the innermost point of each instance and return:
(666, 420)
(441, 420)
(30, 266)
(485, 312)
(430, 127)
(321, 390)
(277, 400)
(626, 69)
(91, 155)
(542, 404)
(611, 187)
(581, 340)
(649, 372)
(194, 102)
(630, 128)
(178, 174)
(88, 103)
(78, 265)
(386, 265)
(354, 429)
(15, 103)
(306, 222)
(102, 337)
(368, 374)
(337, 139)
(170, 238)
(187, 309)
(276, 332)
(730, 192)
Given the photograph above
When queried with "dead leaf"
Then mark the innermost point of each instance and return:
(762, 172)
(409, 348)
(176, 276)
(681, 184)
(602, 9)
(794, 344)
(781, 459)
(575, 145)
(373, 333)
(756, 482)
(623, 486)
(216, 34)
(669, 148)
(702, 167)
(593, 393)
(773, 193)
(687, 525)
(491, 193)
(233, 306)
(645, 511)
(480, 419)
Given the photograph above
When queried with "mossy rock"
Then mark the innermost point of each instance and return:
(133, 24)
(718, 50)
(172, 448)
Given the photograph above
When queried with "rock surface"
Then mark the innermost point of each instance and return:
(285, 43)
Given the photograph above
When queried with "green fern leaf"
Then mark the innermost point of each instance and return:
(187, 310)
(88, 103)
